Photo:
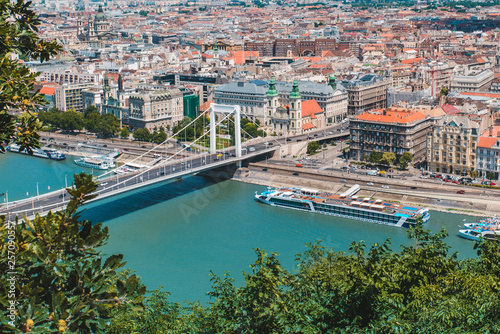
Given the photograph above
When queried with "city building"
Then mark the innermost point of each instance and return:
(115, 100)
(366, 92)
(451, 146)
(248, 95)
(297, 116)
(488, 153)
(472, 83)
(152, 109)
(389, 130)
(95, 29)
(70, 96)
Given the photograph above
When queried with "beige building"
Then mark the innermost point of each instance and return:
(155, 109)
(451, 146)
(389, 130)
(366, 92)
(472, 83)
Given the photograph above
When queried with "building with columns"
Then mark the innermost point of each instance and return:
(97, 28)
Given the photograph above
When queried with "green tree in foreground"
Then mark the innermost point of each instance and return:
(374, 157)
(64, 285)
(124, 132)
(18, 36)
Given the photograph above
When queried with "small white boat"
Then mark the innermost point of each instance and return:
(476, 234)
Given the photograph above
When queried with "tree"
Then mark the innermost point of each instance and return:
(160, 137)
(142, 135)
(474, 174)
(444, 91)
(71, 120)
(388, 158)
(63, 282)
(374, 157)
(90, 110)
(18, 36)
(490, 176)
(124, 132)
(312, 147)
(107, 125)
(405, 160)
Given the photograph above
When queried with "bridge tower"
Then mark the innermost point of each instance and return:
(225, 109)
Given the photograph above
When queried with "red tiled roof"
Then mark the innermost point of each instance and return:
(487, 142)
(449, 109)
(307, 126)
(48, 90)
(205, 106)
(391, 116)
(310, 108)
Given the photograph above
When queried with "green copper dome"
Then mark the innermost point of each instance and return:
(295, 94)
(332, 82)
(216, 48)
(272, 89)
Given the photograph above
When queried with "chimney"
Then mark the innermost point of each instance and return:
(491, 131)
(384, 112)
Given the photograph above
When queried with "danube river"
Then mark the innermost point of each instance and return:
(174, 234)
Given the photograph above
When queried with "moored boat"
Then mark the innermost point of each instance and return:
(345, 205)
(476, 234)
(44, 152)
(92, 163)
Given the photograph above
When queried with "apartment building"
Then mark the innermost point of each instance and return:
(154, 109)
(68, 76)
(70, 96)
(451, 146)
(472, 83)
(488, 153)
(365, 92)
(389, 130)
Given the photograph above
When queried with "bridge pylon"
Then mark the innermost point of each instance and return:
(225, 109)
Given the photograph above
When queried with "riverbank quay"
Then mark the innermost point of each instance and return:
(434, 196)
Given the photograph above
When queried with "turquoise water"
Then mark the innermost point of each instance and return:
(174, 234)
(20, 173)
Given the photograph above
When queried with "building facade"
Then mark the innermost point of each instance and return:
(389, 130)
(451, 146)
(70, 96)
(472, 83)
(97, 28)
(488, 153)
(154, 109)
(366, 92)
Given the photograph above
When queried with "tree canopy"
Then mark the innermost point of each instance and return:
(405, 160)
(18, 36)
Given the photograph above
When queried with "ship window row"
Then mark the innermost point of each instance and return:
(354, 212)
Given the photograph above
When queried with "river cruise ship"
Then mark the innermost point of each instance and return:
(345, 205)
(44, 152)
(93, 163)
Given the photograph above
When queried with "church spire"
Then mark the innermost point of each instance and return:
(216, 48)
(272, 91)
(295, 94)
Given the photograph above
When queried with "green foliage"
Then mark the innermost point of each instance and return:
(159, 137)
(374, 157)
(124, 132)
(18, 36)
(63, 282)
(474, 174)
(312, 147)
(71, 120)
(388, 158)
(444, 91)
(107, 125)
(405, 160)
(142, 135)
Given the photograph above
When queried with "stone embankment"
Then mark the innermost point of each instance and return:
(430, 195)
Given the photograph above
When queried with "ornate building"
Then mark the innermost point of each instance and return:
(97, 28)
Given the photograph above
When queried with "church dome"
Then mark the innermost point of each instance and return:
(100, 16)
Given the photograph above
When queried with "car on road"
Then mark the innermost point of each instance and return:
(143, 146)
(454, 181)
(264, 169)
(315, 135)
(251, 148)
(344, 167)
(369, 184)
(232, 154)
(423, 176)
(298, 165)
(460, 191)
(385, 186)
(330, 132)
(446, 180)
(65, 144)
(493, 184)
(62, 195)
(299, 139)
(413, 188)
(104, 145)
(296, 174)
(343, 181)
(103, 184)
(288, 139)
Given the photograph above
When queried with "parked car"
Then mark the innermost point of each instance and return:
(454, 181)
(493, 184)
(369, 184)
(423, 176)
(296, 174)
(299, 139)
(298, 165)
(385, 186)
(288, 139)
(343, 181)
(461, 192)
(413, 188)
